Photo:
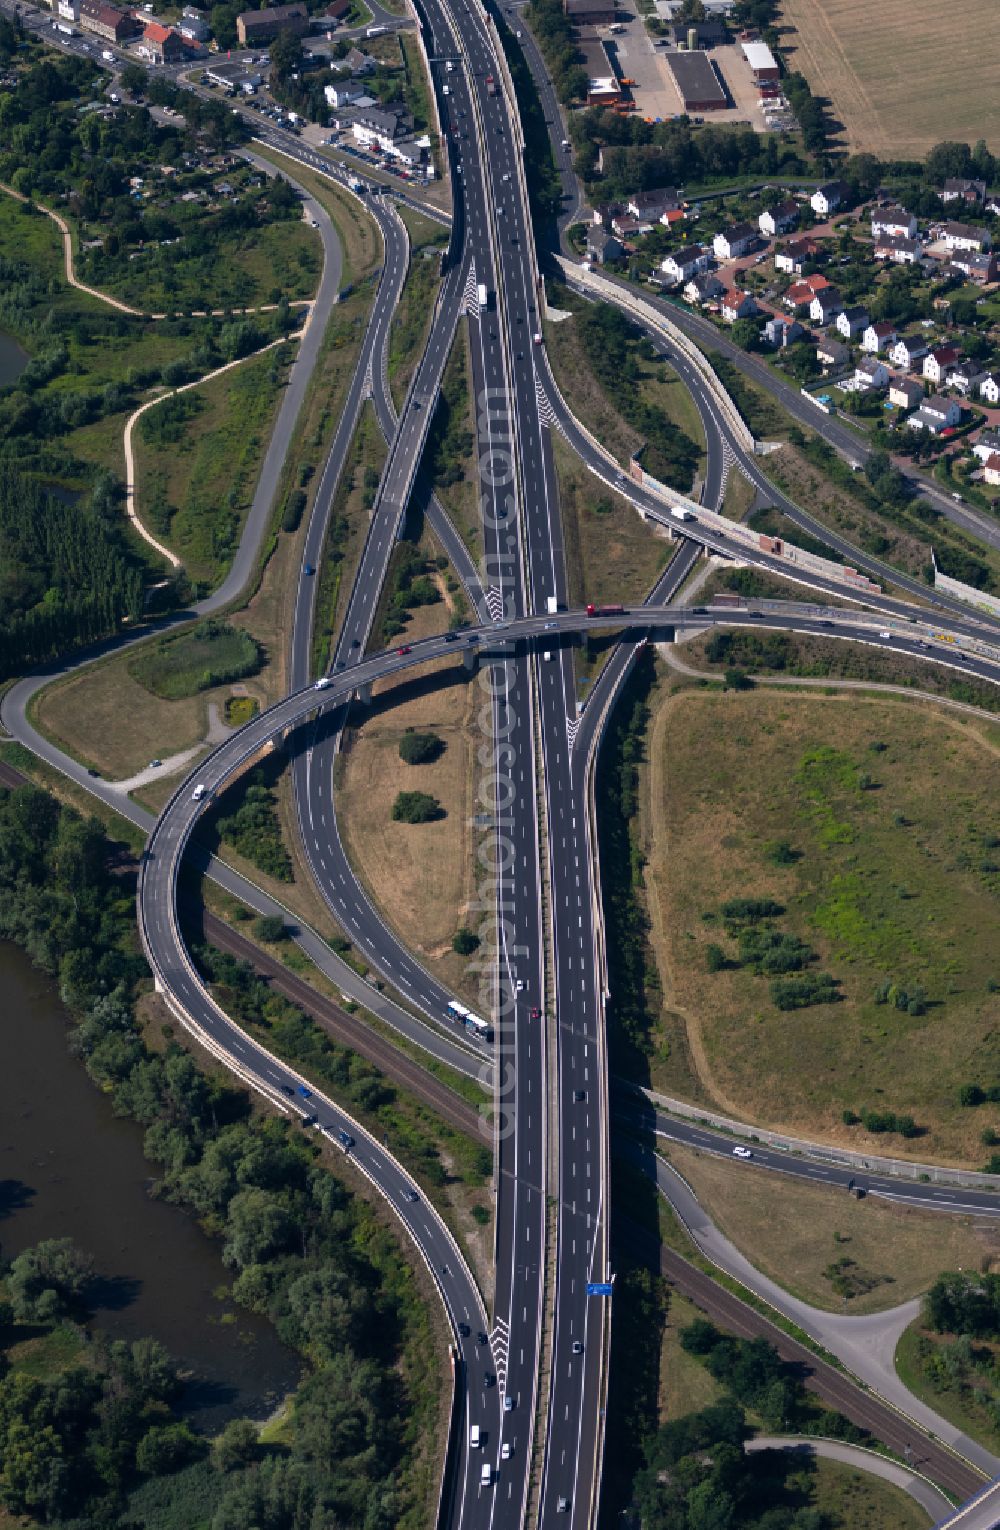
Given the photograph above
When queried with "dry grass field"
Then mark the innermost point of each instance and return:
(794, 1232)
(888, 814)
(903, 75)
(420, 876)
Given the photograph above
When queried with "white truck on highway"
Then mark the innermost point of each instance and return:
(680, 514)
(108, 56)
(483, 294)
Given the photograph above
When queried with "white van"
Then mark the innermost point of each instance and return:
(486, 1475)
(474, 1438)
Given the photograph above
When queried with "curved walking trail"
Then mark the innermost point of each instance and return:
(865, 1345)
(929, 1497)
(113, 302)
(130, 476)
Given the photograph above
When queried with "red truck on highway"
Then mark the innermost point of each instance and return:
(605, 610)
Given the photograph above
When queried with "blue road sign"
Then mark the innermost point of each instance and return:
(598, 1288)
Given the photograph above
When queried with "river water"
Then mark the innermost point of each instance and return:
(12, 360)
(70, 1168)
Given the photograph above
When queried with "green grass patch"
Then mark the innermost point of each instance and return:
(352, 502)
(414, 311)
(198, 460)
(209, 654)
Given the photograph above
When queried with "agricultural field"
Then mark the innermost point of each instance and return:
(899, 76)
(855, 972)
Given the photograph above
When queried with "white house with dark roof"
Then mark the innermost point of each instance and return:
(893, 223)
(828, 197)
(685, 263)
(936, 414)
(826, 305)
(871, 373)
(733, 242)
(878, 337)
(907, 351)
(965, 236)
(901, 252)
(852, 321)
(958, 190)
(966, 377)
(652, 205)
(704, 288)
(778, 219)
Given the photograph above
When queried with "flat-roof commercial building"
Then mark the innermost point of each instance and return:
(697, 82)
(603, 88)
(232, 74)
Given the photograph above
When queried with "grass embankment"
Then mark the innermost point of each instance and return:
(655, 1380)
(198, 458)
(360, 240)
(623, 421)
(900, 535)
(346, 532)
(824, 1246)
(876, 855)
(412, 320)
(612, 554)
(817, 658)
(420, 876)
(450, 455)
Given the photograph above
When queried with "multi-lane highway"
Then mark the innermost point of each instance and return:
(546, 989)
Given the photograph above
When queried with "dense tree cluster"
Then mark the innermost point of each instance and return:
(615, 351)
(50, 149)
(302, 1250)
(697, 1476)
(80, 1440)
(254, 828)
(66, 576)
(964, 1303)
(416, 807)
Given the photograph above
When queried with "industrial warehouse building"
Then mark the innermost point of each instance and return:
(697, 82)
(762, 62)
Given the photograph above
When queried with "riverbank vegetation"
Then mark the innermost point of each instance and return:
(303, 1249)
(83, 1419)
